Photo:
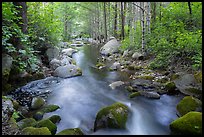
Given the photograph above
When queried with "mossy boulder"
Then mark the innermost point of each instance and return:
(131, 89)
(187, 104)
(38, 115)
(47, 123)
(134, 94)
(195, 91)
(198, 76)
(37, 102)
(55, 118)
(36, 131)
(72, 131)
(170, 87)
(49, 108)
(113, 116)
(16, 105)
(189, 124)
(174, 76)
(27, 122)
(146, 77)
(45, 109)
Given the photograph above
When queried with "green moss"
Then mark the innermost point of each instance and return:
(194, 90)
(189, 124)
(79, 72)
(27, 122)
(100, 65)
(47, 123)
(198, 76)
(49, 108)
(116, 116)
(55, 119)
(45, 109)
(38, 75)
(170, 86)
(6, 88)
(38, 115)
(36, 131)
(134, 94)
(147, 77)
(174, 76)
(15, 104)
(162, 80)
(37, 102)
(188, 104)
(133, 67)
(73, 131)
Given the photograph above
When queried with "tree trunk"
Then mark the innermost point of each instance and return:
(115, 21)
(105, 25)
(143, 26)
(122, 21)
(22, 8)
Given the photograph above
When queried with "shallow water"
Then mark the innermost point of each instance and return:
(81, 97)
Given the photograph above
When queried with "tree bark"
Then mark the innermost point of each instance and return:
(122, 21)
(105, 25)
(115, 21)
(22, 12)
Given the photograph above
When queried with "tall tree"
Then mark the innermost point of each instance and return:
(115, 20)
(105, 24)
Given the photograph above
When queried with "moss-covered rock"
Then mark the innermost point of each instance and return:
(131, 89)
(189, 124)
(37, 102)
(27, 122)
(194, 90)
(113, 116)
(49, 108)
(38, 75)
(187, 104)
(47, 123)
(170, 87)
(45, 109)
(198, 76)
(72, 131)
(146, 77)
(134, 94)
(55, 119)
(174, 76)
(38, 115)
(36, 131)
(100, 65)
(15, 104)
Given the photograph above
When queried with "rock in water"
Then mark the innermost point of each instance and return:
(69, 52)
(71, 131)
(110, 47)
(116, 84)
(67, 71)
(37, 102)
(113, 116)
(189, 124)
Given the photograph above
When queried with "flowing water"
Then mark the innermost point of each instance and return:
(80, 98)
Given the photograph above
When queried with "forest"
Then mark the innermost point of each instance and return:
(101, 68)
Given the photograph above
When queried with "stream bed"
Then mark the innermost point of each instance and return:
(81, 97)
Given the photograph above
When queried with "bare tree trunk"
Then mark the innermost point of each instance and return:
(105, 25)
(148, 17)
(143, 26)
(115, 21)
(122, 21)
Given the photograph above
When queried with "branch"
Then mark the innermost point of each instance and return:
(138, 7)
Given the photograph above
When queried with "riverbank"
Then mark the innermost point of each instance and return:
(146, 83)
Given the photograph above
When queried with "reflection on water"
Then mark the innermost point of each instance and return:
(80, 98)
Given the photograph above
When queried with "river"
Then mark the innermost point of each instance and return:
(81, 97)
